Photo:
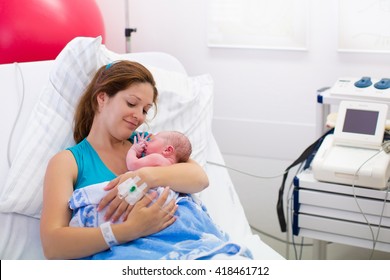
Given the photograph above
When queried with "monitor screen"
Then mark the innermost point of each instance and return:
(360, 121)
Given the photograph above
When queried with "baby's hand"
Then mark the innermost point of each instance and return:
(140, 143)
(138, 147)
(142, 138)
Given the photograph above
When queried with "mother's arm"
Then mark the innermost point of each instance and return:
(187, 177)
(60, 241)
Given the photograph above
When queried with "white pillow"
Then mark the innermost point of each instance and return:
(190, 114)
(186, 107)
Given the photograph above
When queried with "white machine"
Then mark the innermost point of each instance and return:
(353, 155)
(367, 88)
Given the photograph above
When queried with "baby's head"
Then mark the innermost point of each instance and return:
(180, 143)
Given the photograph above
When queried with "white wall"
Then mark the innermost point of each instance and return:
(265, 100)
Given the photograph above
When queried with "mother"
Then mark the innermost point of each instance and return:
(114, 104)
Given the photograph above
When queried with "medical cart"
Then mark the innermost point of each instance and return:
(329, 212)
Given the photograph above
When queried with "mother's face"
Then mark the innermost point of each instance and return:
(127, 110)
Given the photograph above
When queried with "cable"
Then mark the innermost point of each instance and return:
(287, 242)
(380, 219)
(17, 66)
(276, 238)
(385, 148)
(246, 173)
(290, 213)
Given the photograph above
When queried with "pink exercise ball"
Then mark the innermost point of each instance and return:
(32, 30)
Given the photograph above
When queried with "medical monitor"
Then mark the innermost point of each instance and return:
(360, 124)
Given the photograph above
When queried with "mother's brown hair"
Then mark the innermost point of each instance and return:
(111, 79)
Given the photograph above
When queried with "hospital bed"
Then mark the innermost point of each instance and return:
(35, 125)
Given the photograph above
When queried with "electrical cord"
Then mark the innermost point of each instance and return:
(289, 220)
(385, 148)
(246, 173)
(278, 239)
(380, 220)
(287, 242)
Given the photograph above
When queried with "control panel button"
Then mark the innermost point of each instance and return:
(363, 82)
(382, 84)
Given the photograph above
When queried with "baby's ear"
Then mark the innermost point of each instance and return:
(169, 150)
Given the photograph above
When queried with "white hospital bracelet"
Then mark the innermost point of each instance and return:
(108, 235)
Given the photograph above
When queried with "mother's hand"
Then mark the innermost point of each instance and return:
(148, 219)
(116, 207)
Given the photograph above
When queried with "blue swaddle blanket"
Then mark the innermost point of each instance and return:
(84, 203)
(192, 236)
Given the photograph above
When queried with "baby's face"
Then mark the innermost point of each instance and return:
(156, 144)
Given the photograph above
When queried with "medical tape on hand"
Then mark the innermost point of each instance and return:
(108, 235)
(131, 192)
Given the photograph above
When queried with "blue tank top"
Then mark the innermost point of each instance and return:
(91, 169)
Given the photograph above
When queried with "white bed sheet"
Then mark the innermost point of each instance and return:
(19, 234)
